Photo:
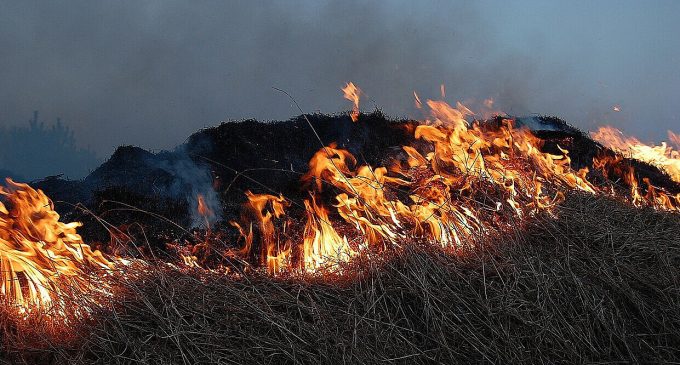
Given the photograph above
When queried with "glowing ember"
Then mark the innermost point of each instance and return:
(204, 211)
(663, 156)
(39, 255)
(351, 93)
(203, 208)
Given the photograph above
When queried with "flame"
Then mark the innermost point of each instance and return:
(204, 210)
(674, 139)
(461, 181)
(40, 256)
(418, 103)
(466, 181)
(616, 167)
(488, 109)
(261, 212)
(322, 247)
(663, 156)
(351, 93)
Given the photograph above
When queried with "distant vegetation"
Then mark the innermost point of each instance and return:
(38, 150)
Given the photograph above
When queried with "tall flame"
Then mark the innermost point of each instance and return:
(462, 180)
(467, 181)
(351, 93)
(39, 255)
(662, 155)
(674, 139)
(204, 210)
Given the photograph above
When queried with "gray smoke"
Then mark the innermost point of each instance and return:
(189, 181)
(150, 73)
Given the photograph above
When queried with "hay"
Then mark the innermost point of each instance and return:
(598, 284)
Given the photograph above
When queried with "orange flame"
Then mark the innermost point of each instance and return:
(663, 156)
(471, 181)
(352, 93)
(261, 211)
(418, 103)
(463, 180)
(204, 210)
(40, 256)
(674, 139)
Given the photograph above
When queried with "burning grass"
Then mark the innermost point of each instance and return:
(599, 283)
(474, 244)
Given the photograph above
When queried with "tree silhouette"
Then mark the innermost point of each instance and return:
(36, 151)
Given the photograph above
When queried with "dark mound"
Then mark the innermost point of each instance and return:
(270, 157)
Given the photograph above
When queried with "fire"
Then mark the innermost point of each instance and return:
(204, 210)
(351, 93)
(40, 256)
(263, 212)
(674, 139)
(469, 181)
(322, 246)
(463, 180)
(418, 103)
(663, 156)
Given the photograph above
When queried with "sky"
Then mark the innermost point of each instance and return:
(150, 73)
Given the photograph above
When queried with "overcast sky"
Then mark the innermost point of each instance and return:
(150, 73)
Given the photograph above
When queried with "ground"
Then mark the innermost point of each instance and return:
(597, 284)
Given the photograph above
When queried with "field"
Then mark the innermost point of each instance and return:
(597, 284)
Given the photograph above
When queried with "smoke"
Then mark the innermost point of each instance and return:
(151, 73)
(191, 180)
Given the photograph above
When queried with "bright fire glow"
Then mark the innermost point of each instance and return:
(663, 156)
(472, 181)
(418, 103)
(40, 256)
(351, 93)
(462, 181)
(204, 210)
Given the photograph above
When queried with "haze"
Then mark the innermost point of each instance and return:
(150, 73)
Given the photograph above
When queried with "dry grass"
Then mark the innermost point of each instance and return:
(598, 284)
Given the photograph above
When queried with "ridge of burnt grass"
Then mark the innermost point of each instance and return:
(597, 284)
(266, 157)
(270, 157)
(583, 149)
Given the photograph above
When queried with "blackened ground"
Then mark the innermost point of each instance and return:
(597, 284)
(271, 157)
(265, 157)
